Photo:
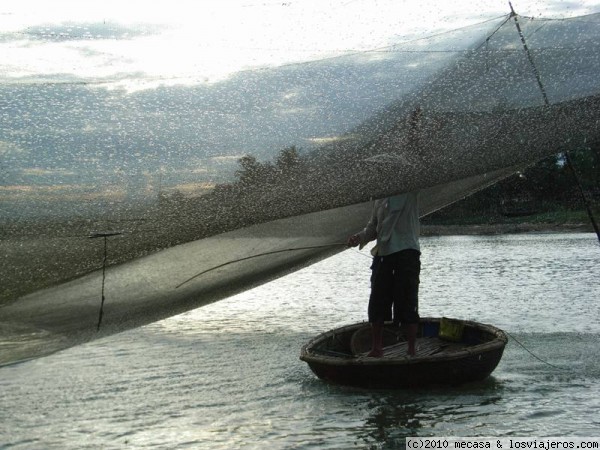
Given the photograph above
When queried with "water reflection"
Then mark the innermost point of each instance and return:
(389, 422)
(391, 416)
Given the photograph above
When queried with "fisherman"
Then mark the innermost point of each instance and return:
(396, 266)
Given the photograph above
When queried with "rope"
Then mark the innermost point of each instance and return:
(361, 253)
(586, 201)
(346, 53)
(547, 103)
(513, 14)
(256, 256)
(101, 313)
(531, 353)
(105, 235)
(487, 40)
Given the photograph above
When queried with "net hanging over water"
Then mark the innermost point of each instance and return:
(224, 166)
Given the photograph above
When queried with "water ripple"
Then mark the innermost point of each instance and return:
(228, 376)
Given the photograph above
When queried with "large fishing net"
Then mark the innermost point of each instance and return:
(153, 196)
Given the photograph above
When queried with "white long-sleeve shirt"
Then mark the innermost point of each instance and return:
(394, 223)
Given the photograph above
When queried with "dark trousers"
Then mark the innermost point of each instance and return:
(395, 287)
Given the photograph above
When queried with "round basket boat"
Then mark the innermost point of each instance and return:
(449, 352)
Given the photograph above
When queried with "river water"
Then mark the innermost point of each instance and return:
(227, 375)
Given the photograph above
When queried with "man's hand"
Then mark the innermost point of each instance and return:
(353, 240)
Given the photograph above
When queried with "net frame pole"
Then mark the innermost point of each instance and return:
(538, 78)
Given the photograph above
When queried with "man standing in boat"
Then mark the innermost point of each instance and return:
(396, 266)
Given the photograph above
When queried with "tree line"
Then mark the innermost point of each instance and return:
(548, 186)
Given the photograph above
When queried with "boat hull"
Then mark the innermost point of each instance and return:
(474, 362)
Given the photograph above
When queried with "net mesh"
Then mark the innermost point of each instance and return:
(190, 173)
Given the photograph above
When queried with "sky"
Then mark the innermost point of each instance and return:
(101, 98)
(140, 44)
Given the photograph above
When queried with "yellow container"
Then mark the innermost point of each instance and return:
(451, 330)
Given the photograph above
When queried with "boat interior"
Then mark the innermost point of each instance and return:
(434, 337)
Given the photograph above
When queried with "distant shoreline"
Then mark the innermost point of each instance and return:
(504, 228)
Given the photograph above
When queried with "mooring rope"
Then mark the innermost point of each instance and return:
(531, 353)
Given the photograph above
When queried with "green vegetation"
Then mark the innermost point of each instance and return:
(545, 193)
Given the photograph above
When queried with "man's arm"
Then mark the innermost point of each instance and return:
(368, 234)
